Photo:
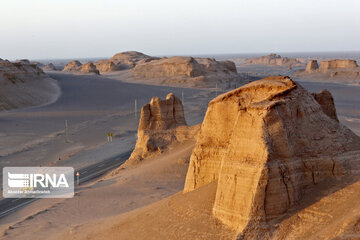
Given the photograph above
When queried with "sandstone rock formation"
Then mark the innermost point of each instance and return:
(337, 63)
(186, 71)
(274, 59)
(106, 66)
(326, 101)
(23, 84)
(312, 66)
(49, 67)
(264, 144)
(72, 66)
(162, 122)
(341, 71)
(122, 61)
(76, 67)
(89, 68)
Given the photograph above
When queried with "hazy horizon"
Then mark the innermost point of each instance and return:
(66, 29)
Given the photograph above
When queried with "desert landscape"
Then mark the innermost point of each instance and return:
(191, 120)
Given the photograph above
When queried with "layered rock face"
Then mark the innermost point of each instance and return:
(273, 59)
(264, 144)
(326, 101)
(337, 63)
(312, 66)
(122, 61)
(23, 84)
(181, 71)
(162, 122)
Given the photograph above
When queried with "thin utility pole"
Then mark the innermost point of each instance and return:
(66, 132)
(135, 108)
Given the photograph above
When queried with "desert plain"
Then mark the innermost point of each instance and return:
(225, 156)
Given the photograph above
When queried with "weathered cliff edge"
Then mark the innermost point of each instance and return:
(265, 144)
(23, 84)
(162, 123)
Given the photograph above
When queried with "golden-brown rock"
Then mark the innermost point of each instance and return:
(88, 68)
(122, 61)
(312, 66)
(337, 63)
(326, 101)
(72, 66)
(186, 71)
(106, 66)
(336, 70)
(162, 123)
(265, 144)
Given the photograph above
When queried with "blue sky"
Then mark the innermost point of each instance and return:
(38, 29)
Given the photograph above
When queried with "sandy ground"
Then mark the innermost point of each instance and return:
(92, 105)
(135, 187)
(129, 205)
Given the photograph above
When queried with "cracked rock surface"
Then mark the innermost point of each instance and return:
(265, 144)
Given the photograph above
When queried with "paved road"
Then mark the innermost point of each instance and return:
(9, 205)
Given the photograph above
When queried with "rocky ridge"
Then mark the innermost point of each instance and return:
(186, 71)
(122, 61)
(77, 67)
(274, 59)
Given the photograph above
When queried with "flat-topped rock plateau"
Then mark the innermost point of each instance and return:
(186, 71)
(274, 60)
(336, 70)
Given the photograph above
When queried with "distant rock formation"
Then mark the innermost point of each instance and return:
(337, 63)
(186, 71)
(122, 61)
(24, 84)
(106, 66)
(89, 68)
(312, 66)
(273, 59)
(72, 66)
(264, 144)
(76, 67)
(49, 67)
(342, 71)
(162, 122)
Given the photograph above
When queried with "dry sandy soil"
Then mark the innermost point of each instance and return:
(128, 205)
